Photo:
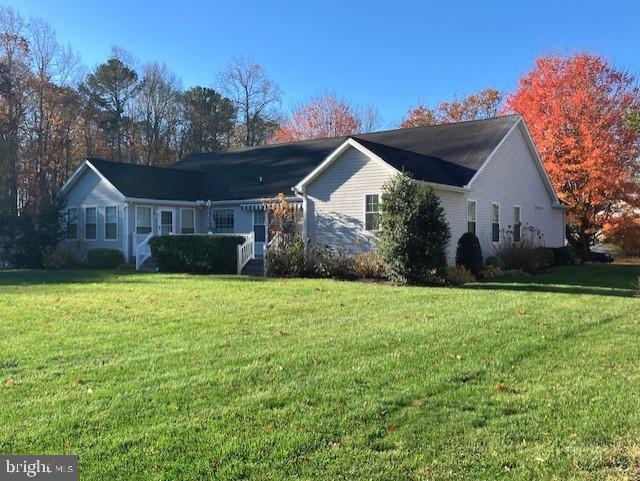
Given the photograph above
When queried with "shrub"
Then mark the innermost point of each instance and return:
(524, 254)
(459, 275)
(196, 254)
(563, 256)
(494, 261)
(469, 253)
(413, 232)
(489, 272)
(368, 265)
(25, 238)
(104, 258)
(286, 260)
(56, 258)
(547, 256)
(327, 262)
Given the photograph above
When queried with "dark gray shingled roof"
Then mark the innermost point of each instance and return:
(445, 154)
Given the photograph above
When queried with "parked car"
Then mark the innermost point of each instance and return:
(600, 256)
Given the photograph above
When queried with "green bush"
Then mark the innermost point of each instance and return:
(469, 253)
(56, 258)
(563, 256)
(413, 232)
(196, 254)
(548, 259)
(104, 258)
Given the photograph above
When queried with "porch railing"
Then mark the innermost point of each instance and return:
(246, 251)
(142, 248)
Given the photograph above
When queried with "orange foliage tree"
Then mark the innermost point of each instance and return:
(325, 116)
(576, 108)
(481, 105)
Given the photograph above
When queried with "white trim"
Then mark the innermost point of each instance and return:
(187, 203)
(86, 164)
(104, 223)
(364, 223)
(334, 155)
(85, 207)
(125, 218)
(519, 213)
(491, 221)
(193, 212)
(135, 219)
(435, 185)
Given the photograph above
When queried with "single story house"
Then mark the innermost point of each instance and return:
(487, 174)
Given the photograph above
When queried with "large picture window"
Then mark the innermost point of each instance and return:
(223, 221)
(371, 212)
(143, 220)
(495, 222)
(111, 222)
(90, 223)
(472, 216)
(187, 221)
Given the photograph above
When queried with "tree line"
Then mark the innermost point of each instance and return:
(53, 113)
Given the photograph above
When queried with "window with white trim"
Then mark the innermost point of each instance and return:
(111, 222)
(187, 221)
(495, 222)
(72, 223)
(517, 223)
(90, 223)
(223, 221)
(143, 220)
(371, 211)
(472, 216)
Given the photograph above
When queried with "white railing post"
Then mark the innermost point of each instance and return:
(142, 248)
(246, 251)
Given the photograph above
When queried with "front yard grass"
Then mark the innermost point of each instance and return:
(175, 377)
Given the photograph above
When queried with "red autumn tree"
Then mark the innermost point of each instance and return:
(481, 105)
(325, 116)
(576, 108)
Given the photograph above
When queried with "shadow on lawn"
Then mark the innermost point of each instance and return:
(603, 280)
(86, 276)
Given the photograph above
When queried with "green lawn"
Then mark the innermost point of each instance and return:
(173, 377)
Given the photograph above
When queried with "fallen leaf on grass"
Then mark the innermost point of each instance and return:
(10, 381)
(502, 387)
(335, 444)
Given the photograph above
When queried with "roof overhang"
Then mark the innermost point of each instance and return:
(87, 165)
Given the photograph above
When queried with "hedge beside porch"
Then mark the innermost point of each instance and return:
(196, 254)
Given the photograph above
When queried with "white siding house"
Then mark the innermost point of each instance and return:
(487, 175)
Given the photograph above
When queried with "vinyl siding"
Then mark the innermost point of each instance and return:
(336, 201)
(91, 191)
(510, 178)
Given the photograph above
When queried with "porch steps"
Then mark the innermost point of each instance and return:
(254, 268)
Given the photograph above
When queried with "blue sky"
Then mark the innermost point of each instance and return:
(389, 54)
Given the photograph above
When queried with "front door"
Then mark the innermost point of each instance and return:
(166, 226)
(259, 230)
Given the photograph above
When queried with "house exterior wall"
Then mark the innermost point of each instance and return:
(91, 191)
(511, 178)
(336, 201)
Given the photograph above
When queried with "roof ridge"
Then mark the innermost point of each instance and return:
(442, 124)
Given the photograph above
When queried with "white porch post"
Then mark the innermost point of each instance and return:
(125, 231)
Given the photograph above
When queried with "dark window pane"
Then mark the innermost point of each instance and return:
(471, 227)
(90, 231)
(110, 231)
(495, 232)
(259, 231)
(371, 221)
(516, 232)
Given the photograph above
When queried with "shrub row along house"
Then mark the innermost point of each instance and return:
(486, 173)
